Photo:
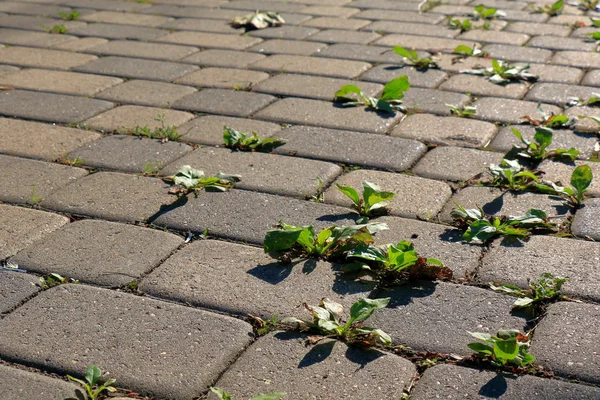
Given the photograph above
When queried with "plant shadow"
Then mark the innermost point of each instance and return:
(404, 294)
(381, 114)
(495, 387)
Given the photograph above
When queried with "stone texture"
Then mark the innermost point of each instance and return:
(538, 29)
(455, 163)
(342, 372)
(328, 115)
(450, 131)
(34, 23)
(238, 279)
(293, 47)
(349, 147)
(554, 43)
(137, 68)
(566, 341)
(7, 70)
(223, 58)
(518, 53)
(19, 37)
(15, 288)
(490, 36)
(583, 124)
(224, 78)
(210, 40)
(481, 86)
(361, 52)
(556, 171)
(344, 36)
(155, 337)
(115, 31)
(267, 173)
(20, 384)
(79, 44)
(430, 78)
(336, 23)
(125, 118)
(112, 196)
(284, 32)
(329, 11)
(508, 110)
(20, 227)
(135, 49)
(553, 73)
(404, 16)
(200, 24)
(576, 59)
(556, 93)
(99, 252)
(112, 17)
(42, 58)
(411, 29)
(59, 82)
(415, 197)
(427, 43)
(209, 128)
(311, 66)
(591, 78)
(219, 101)
(146, 93)
(584, 223)
(433, 101)
(41, 141)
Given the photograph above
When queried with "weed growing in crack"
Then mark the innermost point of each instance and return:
(552, 10)
(373, 200)
(92, 385)
(189, 180)
(34, 199)
(70, 16)
(222, 395)
(151, 168)
(163, 132)
(466, 51)
(411, 57)
(538, 149)
(49, 281)
(389, 102)
(511, 175)
(581, 178)
(249, 142)
(502, 73)
(462, 111)
(541, 292)
(486, 13)
(550, 120)
(506, 347)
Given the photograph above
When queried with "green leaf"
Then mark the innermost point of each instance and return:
(336, 309)
(462, 49)
(506, 350)
(323, 236)
(188, 177)
(92, 374)
(480, 348)
(347, 90)
(370, 253)
(581, 178)
(278, 240)
(481, 336)
(350, 192)
(403, 52)
(544, 137)
(221, 394)
(480, 230)
(523, 302)
(394, 89)
(231, 137)
(269, 396)
(364, 308)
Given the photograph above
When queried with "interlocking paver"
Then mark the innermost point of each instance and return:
(518, 53)
(114, 31)
(20, 227)
(426, 43)
(577, 59)
(43, 58)
(342, 371)
(155, 337)
(349, 147)
(112, 17)
(344, 36)
(361, 52)
(36, 23)
(311, 66)
(592, 78)
(203, 25)
(223, 58)
(210, 40)
(41, 141)
(137, 68)
(125, 118)
(481, 86)
(31, 9)
(15, 287)
(336, 23)
(24, 385)
(224, 78)
(433, 101)
(404, 16)
(556, 171)
(455, 163)
(59, 81)
(7, 70)
(112, 196)
(135, 49)
(226, 276)
(329, 11)
(584, 224)
(268, 173)
(386, 72)
(490, 36)
(209, 128)
(99, 252)
(228, 102)
(19, 37)
(80, 44)
(411, 29)
(415, 197)
(146, 93)
(292, 47)
(253, 5)
(112, 5)
(566, 341)
(554, 73)
(538, 29)
(556, 93)
(555, 43)
(509, 110)
(578, 115)
(450, 131)
(284, 32)
(173, 9)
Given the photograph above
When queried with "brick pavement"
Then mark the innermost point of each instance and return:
(82, 197)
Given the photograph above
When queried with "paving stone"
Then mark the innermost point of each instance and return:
(342, 371)
(385, 5)
(112, 17)
(592, 78)
(112, 196)
(576, 59)
(404, 16)
(556, 93)
(328, 115)
(490, 36)
(129, 153)
(43, 58)
(16, 287)
(41, 141)
(31, 9)
(553, 73)
(560, 43)
(415, 197)
(137, 68)
(111, 5)
(538, 29)
(135, 49)
(481, 86)
(584, 223)
(228, 102)
(7, 70)
(335, 23)
(262, 172)
(115, 31)
(344, 36)
(253, 5)
(19, 37)
(80, 44)
(518, 15)
(449, 131)
(518, 53)
(225, 78)
(433, 101)
(329, 11)
(284, 32)
(200, 24)
(24, 385)
(125, 118)
(583, 124)
(566, 340)
(255, 214)
(455, 163)
(348, 147)
(99, 252)
(293, 47)
(453, 382)
(208, 129)
(311, 86)
(35, 23)
(562, 138)
(59, 81)
(243, 280)
(520, 263)
(20, 227)
(142, 331)
(384, 73)
(508, 110)
(432, 44)
(147, 93)
(570, 20)
(412, 29)
(311, 66)
(360, 52)
(175, 10)
(223, 58)
(451, 9)
(435, 316)
(22, 179)
(556, 171)
(210, 40)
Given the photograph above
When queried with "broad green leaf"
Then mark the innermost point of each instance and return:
(506, 350)
(571, 154)
(544, 137)
(481, 336)
(364, 308)
(434, 261)
(278, 240)
(460, 49)
(402, 52)
(221, 394)
(519, 135)
(523, 302)
(320, 313)
(349, 90)
(370, 253)
(480, 348)
(581, 178)
(350, 192)
(92, 374)
(336, 309)
(269, 396)
(532, 216)
(511, 231)
(527, 358)
(188, 177)
(323, 236)
(480, 230)
(394, 89)
(327, 326)
(306, 239)
(231, 136)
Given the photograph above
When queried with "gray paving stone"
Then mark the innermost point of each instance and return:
(268, 173)
(137, 68)
(255, 214)
(210, 40)
(411, 29)
(7, 69)
(116, 31)
(592, 78)
(114, 17)
(433, 101)
(349, 147)
(253, 5)
(328, 115)
(518, 263)
(200, 24)
(223, 58)
(284, 32)
(314, 87)
(209, 128)
(336, 23)
(34, 23)
(577, 59)
(455, 163)
(125, 118)
(146, 93)
(481, 86)
(31, 9)
(228, 102)
(560, 43)
(293, 47)
(360, 52)
(243, 280)
(583, 124)
(404, 16)
(41, 141)
(19, 384)
(566, 340)
(518, 53)
(224, 78)
(344, 36)
(538, 29)
(99, 252)
(19, 37)
(556, 171)
(19, 227)
(136, 49)
(385, 5)
(558, 74)
(80, 44)
(556, 93)
(415, 197)
(453, 382)
(584, 223)
(450, 131)
(342, 372)
(178, 9)
(386, 72)
(111, 5)
(112, 196)
(562, 138)
(329, 11)
(427, 43)
(154, 337)
(15, 287)
(311, 66)
(490, 36)
(572, 20)
(43, 58)
(509, 110)
(436, 316)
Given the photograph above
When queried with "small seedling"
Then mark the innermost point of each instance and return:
(538, 149)
(462, 111)
(502, 73)
(593, 101)
(550, 120)
(483, 12)
(248, 142)
(390, 100)
(189, 180)
(258, 20)
(75, 162)
(243, 88)
(71, 16)
(373, 201)
(466, 51)
(91, 384)
(222, 395)
(163, 132)
(264, 326)
(327, 321)
(411, 57)
(543, 291)
(34, 199)
(581, 178)
(508, 346)
(512, 175)
(151, 168)
(464, 25)
(60, 29)
(330, 243)
(588, 5)
(51, 280)
(551, 9)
